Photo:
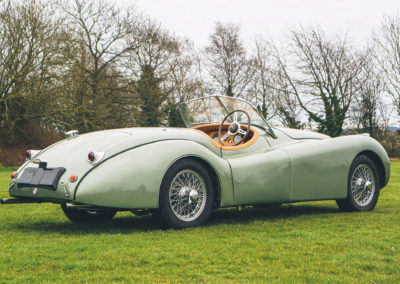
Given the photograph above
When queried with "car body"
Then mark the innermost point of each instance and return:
(128, 166)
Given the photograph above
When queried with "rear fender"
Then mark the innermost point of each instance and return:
(132, 179)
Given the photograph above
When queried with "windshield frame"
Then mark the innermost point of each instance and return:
(268, 129)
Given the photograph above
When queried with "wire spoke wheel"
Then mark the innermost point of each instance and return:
(362, 185)
(187, 195)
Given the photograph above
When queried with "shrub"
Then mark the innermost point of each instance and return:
(391, 143)
(13, 153)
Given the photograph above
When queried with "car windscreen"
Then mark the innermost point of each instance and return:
(213, 109)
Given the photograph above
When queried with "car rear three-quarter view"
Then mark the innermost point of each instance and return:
(227, 156)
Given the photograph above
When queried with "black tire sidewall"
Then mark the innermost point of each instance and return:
(166, 216)
(362, 159)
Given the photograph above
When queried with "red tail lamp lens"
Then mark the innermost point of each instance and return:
(13, 174)
(91, 156)
(73, 178)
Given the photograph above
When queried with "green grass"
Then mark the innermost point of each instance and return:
(306, 242)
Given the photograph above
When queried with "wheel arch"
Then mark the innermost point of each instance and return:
(213, 174)
(378, 163)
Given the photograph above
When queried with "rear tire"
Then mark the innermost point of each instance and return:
(88, 216)
(186, 196)
(363, 186)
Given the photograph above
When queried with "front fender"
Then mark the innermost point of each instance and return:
(132, 179)
(320, 168)
(366, 143)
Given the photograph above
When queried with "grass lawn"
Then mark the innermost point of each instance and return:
(305, 242)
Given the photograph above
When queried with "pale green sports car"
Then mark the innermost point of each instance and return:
(227, 156)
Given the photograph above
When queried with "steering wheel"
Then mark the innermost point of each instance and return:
(234, 128)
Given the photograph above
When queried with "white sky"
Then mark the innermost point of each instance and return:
(195, 18)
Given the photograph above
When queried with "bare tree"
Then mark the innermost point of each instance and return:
(262, 89)
(29, 45)
(326, 74)
(288, 109)
(149, 67)
(184, 80)
(226, 60)
(388, 55)
(385, 114)
(368, 100)
(184, 75)
(98, 42)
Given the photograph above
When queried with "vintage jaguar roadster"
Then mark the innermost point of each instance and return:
(227, 156)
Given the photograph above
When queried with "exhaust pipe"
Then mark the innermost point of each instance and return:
(82, 206)
(5, 201)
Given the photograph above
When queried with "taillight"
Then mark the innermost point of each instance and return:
(13, 174)
(91, 156)
(31, 153)
(95, 157)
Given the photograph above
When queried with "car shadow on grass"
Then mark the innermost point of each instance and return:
(129, 224)
(118, 225)
(268, 213)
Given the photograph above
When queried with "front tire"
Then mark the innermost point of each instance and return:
(186, 196)
(363, 186)
(88, 216)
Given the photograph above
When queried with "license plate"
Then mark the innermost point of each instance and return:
(39, 177)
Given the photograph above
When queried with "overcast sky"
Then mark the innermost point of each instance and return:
(195, 18)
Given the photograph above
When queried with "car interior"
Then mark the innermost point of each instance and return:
(211, 131)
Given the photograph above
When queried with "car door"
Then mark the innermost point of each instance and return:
(260, 174)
